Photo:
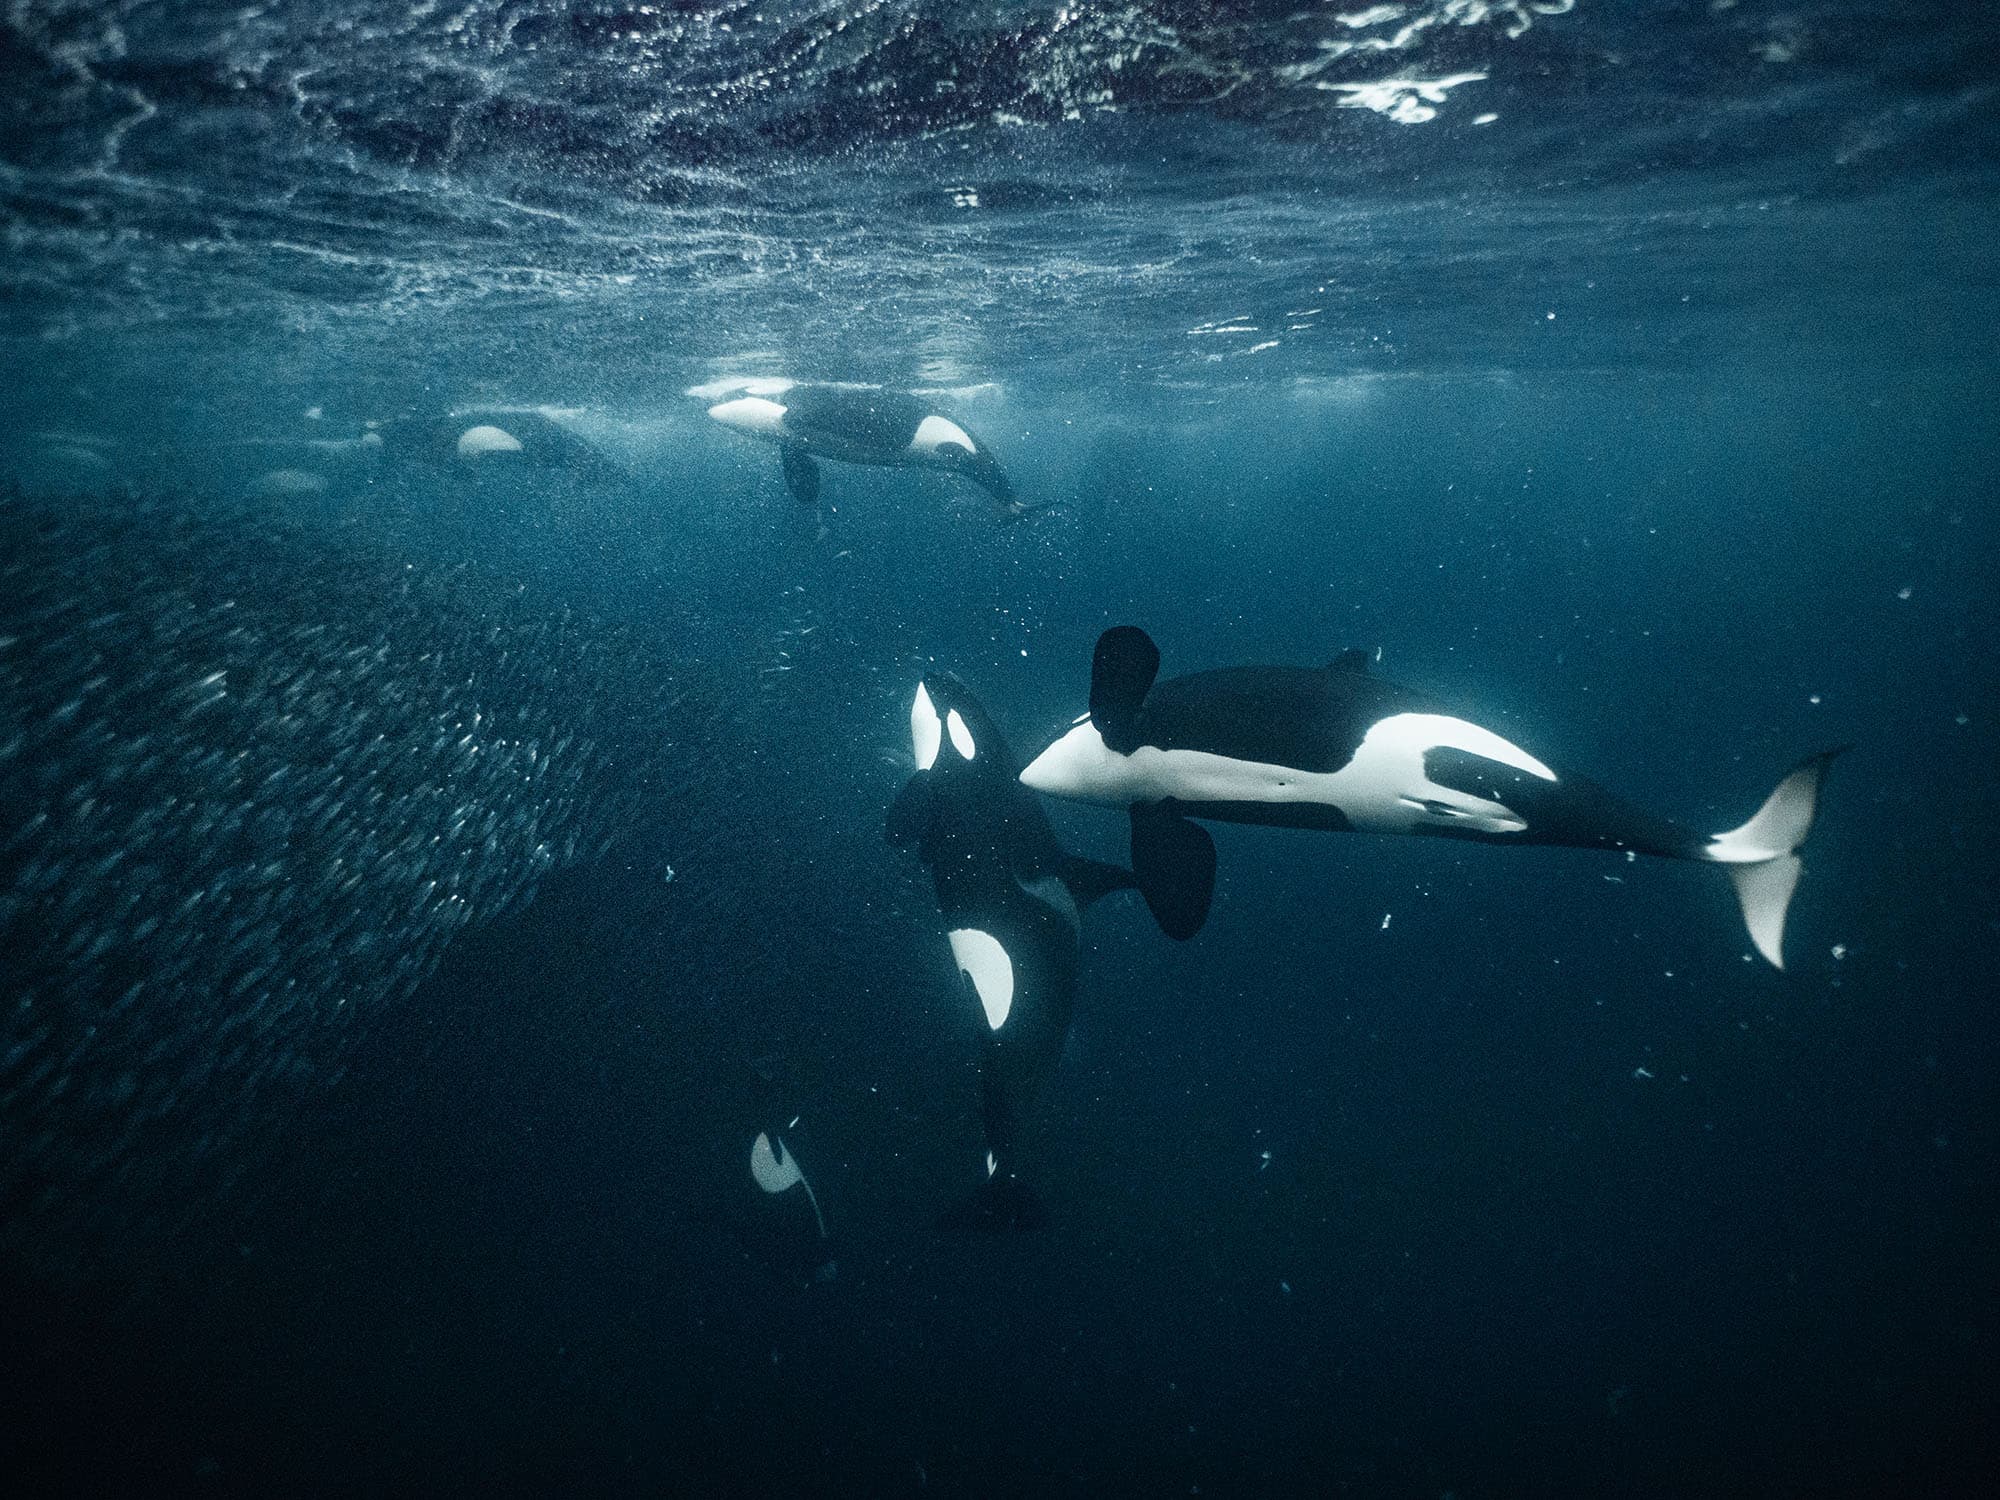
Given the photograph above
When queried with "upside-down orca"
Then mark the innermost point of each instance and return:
(1336, 747)
(858, 424)
(1012, 902)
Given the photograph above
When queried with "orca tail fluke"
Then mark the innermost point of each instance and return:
(1762, 856)
(1003, 1204)
(1764, 891)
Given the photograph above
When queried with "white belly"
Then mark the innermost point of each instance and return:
(1383, 789)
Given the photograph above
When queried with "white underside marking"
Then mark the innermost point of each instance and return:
(1383, 789)
(989, 968)
(1764, 891)
(506, 409)
(281, 482)
(774, 1171)
(936, 432)
(761, 417)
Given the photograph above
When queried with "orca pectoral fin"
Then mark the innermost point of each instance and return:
(801, 474)
(911, 813)
(1090, 879)
(1122, 670)
(1173, 860)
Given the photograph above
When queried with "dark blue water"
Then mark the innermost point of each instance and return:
(420, 878)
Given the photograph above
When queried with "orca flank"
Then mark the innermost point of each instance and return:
(1339, 749)
(856, 424)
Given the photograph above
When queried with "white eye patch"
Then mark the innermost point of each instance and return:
(926, 733)
(961, 737)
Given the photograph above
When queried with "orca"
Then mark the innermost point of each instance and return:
(774, 1171)
(487, 438)
(788, 1225)
(857, 424)
(1012, 902)
(1336, 747)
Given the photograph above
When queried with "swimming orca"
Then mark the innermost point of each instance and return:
(774, 1171)
(1336, 747)
(785, 1211)
(489, 437)
(1012, 901)
(858, 425)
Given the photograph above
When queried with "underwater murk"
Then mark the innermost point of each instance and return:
(869, 747)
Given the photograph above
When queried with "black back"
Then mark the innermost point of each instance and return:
(1314, 719)
(1309, 718)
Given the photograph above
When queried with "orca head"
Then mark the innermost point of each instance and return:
(756, 416)
(1082, 768)
(950, 733)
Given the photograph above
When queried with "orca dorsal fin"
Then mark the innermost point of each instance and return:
(1122, 670)
(1090, 879)
(1353, 659)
